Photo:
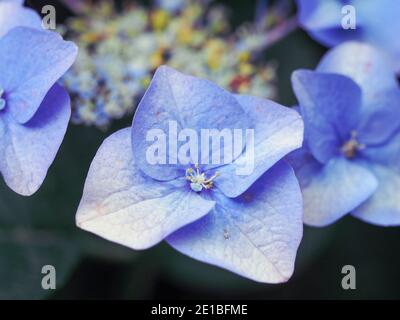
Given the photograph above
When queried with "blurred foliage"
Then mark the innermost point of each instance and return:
(40, 230)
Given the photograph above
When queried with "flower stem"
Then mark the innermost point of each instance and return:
(76, 6)
(280, 32)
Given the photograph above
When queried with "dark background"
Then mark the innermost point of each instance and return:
(40, 230)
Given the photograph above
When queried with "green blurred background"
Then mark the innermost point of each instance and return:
(40, 230)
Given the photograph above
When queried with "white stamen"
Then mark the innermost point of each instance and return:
(198, 179)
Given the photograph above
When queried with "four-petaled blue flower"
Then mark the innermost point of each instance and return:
(34, 110)
(249, 224)
(350, 161)
(376, 22)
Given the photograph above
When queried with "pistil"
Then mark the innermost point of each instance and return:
(352, 146)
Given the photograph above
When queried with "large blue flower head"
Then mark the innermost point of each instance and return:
(376, 22)
(351, 158)
(34, 110)
(151, 182)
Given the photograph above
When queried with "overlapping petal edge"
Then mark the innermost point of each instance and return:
(376, 23)
(357, 76)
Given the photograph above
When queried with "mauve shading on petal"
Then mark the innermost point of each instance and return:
(364, 64)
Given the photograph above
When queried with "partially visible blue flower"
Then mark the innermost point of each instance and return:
(350, 161)
(249, 224)
(34, 110)
(377, 23)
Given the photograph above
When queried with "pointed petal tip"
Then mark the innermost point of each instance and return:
(300, 77)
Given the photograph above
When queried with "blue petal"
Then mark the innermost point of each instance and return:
(386, 154)
(381, 25)
(323, 21)
(277, 131)
(330, 191)
(377, 23)
(380, 92)
(28, 150)
(255, 235)
(330, 105)
(365, 65)
(317, 15)
(13, 14)
(31, 62)
(193, 103)
(380, 117)
(383, 208)
(125, 206)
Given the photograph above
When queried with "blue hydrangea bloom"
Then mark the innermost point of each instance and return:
(350, 159)
(377, 23)
(34, 110)
(249, 224)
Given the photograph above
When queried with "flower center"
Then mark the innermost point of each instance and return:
(198, 180)
(2, 100)
(352, 146)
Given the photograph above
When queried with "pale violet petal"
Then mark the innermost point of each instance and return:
(174, 100)
(333, 190)
(383, 208)
(255, 235)
(31, 63)
(277, 131)
(29, 149)
(330, 105)
(123, 205)
(13, 14)
(364, 64)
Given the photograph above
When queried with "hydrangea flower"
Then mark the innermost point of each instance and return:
(350, 160)
(121, 49)
(34, 109)
(249, 224)
(377, 23)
